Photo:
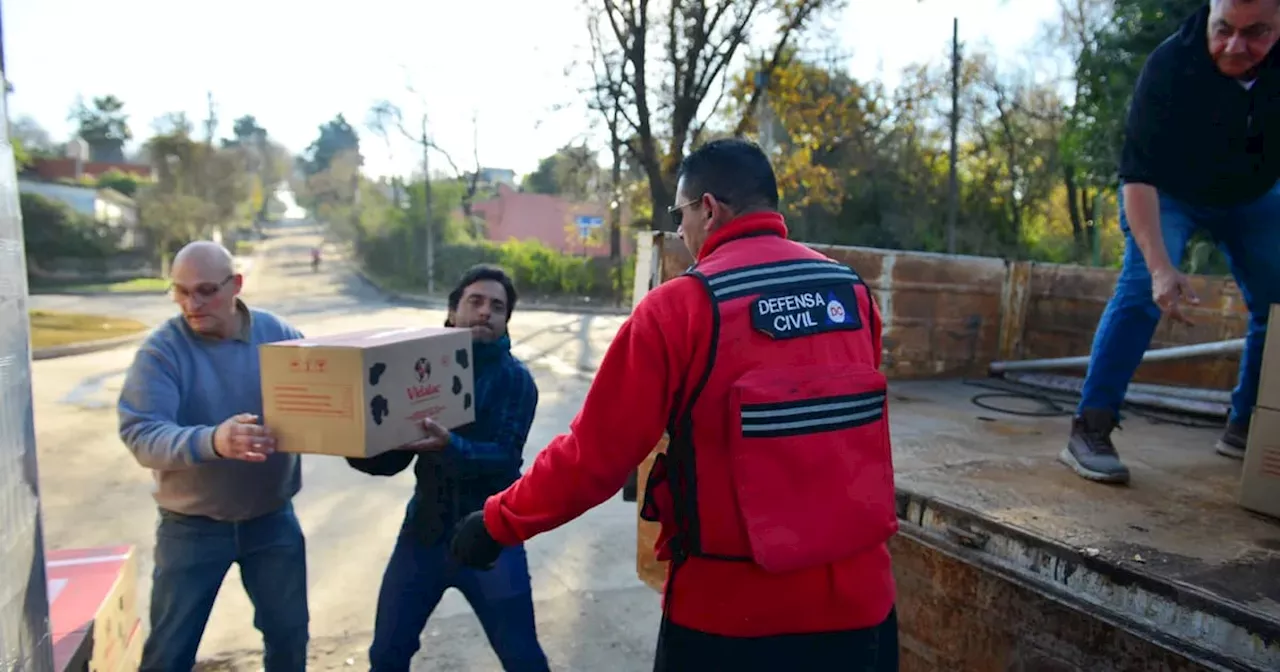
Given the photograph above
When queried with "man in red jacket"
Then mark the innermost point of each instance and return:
(775, 494)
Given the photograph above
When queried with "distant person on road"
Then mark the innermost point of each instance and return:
(190, 410)
(315, 258)
(455, 472)
(775, 494)
(1201, 153)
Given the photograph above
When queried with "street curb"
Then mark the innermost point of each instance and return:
(238, 260)
(148, 292)
(56, 351)
(427, 302)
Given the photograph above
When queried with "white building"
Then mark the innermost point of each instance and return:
(104, 205)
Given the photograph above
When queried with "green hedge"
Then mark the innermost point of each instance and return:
(538, 270)
(53, 230)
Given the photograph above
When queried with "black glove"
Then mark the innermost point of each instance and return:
(472, 545)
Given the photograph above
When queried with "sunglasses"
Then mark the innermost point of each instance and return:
(676, 212)
(204, 290)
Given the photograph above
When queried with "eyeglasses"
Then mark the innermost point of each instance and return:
(676, 212)
(204, 290)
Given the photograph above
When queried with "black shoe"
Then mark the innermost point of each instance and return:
(1233, 441)
(1090, 452)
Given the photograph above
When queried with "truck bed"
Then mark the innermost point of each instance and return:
(1173, 554)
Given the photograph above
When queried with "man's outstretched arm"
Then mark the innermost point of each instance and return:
(622, 419)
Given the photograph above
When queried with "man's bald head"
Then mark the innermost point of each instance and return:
(205, 285)
(204, 256)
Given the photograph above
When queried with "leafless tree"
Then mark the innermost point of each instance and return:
(698, 40)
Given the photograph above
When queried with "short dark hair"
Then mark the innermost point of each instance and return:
(733, 170)
(479, 273)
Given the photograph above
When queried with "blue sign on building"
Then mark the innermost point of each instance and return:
(587, 223)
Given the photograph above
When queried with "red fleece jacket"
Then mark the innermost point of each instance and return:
(622, 419)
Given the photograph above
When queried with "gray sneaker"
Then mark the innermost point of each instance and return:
(1090, 452)
(1233, 441)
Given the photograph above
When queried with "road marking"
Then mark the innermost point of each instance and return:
(81, 394)
(91, 560)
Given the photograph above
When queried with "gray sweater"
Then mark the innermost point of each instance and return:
(180, 387)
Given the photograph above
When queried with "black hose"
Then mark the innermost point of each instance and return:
(1055, 403)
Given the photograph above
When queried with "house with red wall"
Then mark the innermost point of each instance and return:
(548, 219)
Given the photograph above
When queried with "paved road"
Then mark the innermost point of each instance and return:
(593, 614)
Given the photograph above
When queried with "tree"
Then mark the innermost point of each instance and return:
(1017, 125)
(264, 160)
(572, 172)
(386, 115)
(333, 191)
(124, 183)
(1108, 68)
(608, 98)
(247, 132)
(198, 187)
(1075, 37)
(818, 119)
(337, 137)
(34, 140)
(700, 41)
(104, 126)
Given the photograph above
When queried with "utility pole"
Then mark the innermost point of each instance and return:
(210, 123)
(765, 114)
(476, 229)
(615, 210)
(206, 166)
(953, 185)
(426, 192)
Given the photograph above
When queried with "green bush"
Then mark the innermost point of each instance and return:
(538, 270)
(122, 182)
(53, 230)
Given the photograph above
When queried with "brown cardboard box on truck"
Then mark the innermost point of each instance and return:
(1260, 475)
(1269, 382)
(363, 393)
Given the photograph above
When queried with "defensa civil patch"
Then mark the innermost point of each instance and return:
(806, 310)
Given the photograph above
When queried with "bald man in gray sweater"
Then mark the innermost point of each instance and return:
(190, 411)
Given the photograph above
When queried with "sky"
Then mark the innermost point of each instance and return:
(506, 63)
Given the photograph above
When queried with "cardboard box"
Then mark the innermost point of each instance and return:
(360, 394)
(131, 659)
(1260, 476)
(93, 605)
(1269, 383)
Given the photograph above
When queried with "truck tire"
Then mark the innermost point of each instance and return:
(631, 491)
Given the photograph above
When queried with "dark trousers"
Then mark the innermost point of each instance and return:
(415, 581)
(872, 649)
(193, 555)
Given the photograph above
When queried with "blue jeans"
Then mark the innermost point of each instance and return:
(192, 557)
(416, 578)
(1249, 236)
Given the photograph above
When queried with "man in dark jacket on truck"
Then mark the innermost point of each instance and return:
(456, 471)
(1201, 153)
